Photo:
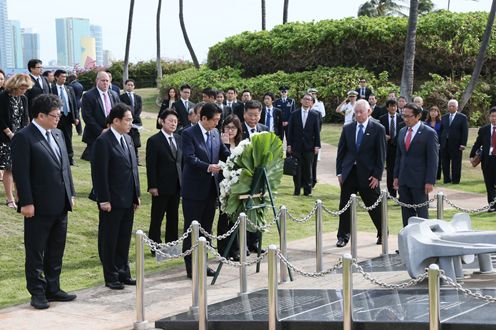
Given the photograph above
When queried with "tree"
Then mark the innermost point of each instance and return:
(159, 62)
(376, 8)
(425, 7)
(185, 35)
(125, 71)
(263, 15)
(480, 58)
(406, 87)
(285, 12)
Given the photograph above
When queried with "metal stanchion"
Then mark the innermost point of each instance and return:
(273, 303)
(384, 228)
(318, 236)
(243, 287)
(440, 205)
(434, 317)
(353, 213)
(140, 323)
(195, 234)
(347, 292)
(283, 242)
(202, 284)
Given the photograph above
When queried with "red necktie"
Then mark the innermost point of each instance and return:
(493, 142)
(408, 139)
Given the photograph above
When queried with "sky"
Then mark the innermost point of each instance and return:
(207, 21)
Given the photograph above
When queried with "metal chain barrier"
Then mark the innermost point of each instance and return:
(480, 209)
(458, 287)
(337, 213)
(305, 218)
(266, 226)
(401, 285)
(414, 206)
(323, 273)
(154, 246)
(373, 206)
(236, 264)
(223, 236)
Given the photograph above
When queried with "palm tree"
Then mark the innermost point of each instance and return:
(406, 88)
(185, 35)
(263, 15)
(125, 71)
(425, 7)
(480, 58)
(376, 8)
(159, 64)
(285, 12)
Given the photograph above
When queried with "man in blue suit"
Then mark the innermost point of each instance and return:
(287, 106)
(202, 150)
(416, 162)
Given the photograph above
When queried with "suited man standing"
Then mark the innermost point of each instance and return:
(95, 107)
(46, 193)
(69, 110)
(163, 171)
(392, 123)
(78, 92)
(287, 106)
(239, 109)
(231, 100)
(304, 142)
(486, 138)
(454, 135)
(40, 83)
(202, 151)
(416, 162)
(114, 173)
(359, 167)
(271, 116)
(136, 105)
(182, 107)
(362, 90)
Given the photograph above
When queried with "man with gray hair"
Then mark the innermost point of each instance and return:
(420, 103)
(454, 135)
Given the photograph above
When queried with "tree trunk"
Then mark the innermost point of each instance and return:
(263, 15)
(285, 12)
(159, 62)
(480, 58)
(185, 35)
(448, 4)
(125, 70)
(406, 88)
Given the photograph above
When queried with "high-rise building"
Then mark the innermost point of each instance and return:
(5, 40)
(71, 33)
(96, 32)
(30, 46)
(15, 58)
(107, 58)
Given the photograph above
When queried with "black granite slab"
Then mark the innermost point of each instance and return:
(377, 309)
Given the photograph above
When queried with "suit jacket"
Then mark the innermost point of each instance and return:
(196, 182)
(6, 114)
(369, 158)
(276, 117)
(287, 107)
(230, 109)
(78, 91)
(258, 128)
(378, 112)
(483, 140)
(138, 106)
(94, 114)
(304, 139)
(417, 166)
(74, 113)
(163, 168)
(36, 90)
(182, 113)
(114, 172)
(115, 88)
(368, 91)
(455, 134)
(239, 109)
(384, 120)
(42, 179)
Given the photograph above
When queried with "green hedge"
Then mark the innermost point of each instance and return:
(447, 44)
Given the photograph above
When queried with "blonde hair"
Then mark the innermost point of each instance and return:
(17, 81)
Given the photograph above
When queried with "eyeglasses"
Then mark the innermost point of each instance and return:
(231, 128)
(54, 116)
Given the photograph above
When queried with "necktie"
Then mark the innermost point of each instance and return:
(408, 139)
(123, 144)
(267, 119)
(107, 104)
(63, 97)
(131, 98)
(172, 146)
(252, 130)
(186, 105)
(362, 92)
(229, 104)
(53, 145)
(304, 119)
(451, 118)
(359, 136)
(392, 128)
(494, 140)
(209, 146)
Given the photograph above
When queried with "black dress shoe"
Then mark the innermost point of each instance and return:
(128, 281)
(39, 302)
(492, 209)
(115, 285)
(61, 296)
(307, 194)
(379, 241)
(341, 242)
(210, 272)
(188, 275)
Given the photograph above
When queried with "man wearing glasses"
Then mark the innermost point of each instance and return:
(40, 83)
(363, 91)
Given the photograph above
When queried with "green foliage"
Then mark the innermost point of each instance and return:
(447, 44)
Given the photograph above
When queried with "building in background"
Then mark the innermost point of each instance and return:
(30, 46)
(71, 34)
(15, 59)
(107, 58)
(5, 39)
(96, 32)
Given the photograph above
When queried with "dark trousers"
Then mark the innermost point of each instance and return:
(114, 238)
(65, 125)
(303, 178)
(314, 169)
(489, 172)
(413, 196)
(390, 161)
(44, 242)
(223, 226)
(168, 205)
(452, 164)
(369, 196)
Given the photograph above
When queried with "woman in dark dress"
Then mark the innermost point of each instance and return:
(434, 121)
(171, 97)
(13, 117)
(2, 83)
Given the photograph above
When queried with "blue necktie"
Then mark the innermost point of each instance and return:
(209, 146)
(359, 136)
(267, 119)
(63, 97)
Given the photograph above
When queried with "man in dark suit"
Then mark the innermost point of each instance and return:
(304, 142)
(231, 100)
(182, 107)
(416, 162)
(486, 138)
(273, 120)
(392, 123)
(70, 111)
(287, 106)
(454, 135)
(50, 77)
(239, 109)
(41, 170)
(113, 86)
(163, 170)
(78, 92)
(202, 151)
(419, 101)
(359, 167)
(95, 107)
(377, 111)
(40, 83)
(136, 105)
(114, 173)
(362, 90)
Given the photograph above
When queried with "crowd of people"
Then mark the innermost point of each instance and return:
(38, 112)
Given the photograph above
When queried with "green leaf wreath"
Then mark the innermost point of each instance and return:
(264, 150)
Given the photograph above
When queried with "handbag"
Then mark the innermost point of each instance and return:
(291, 166)
(477, 158)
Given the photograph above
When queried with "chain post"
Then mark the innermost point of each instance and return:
(440, 205)
(318, 236)
(140, 323)
(243, 287)
(353, 213)
(195, 235)
(202, 284)
(272, 290)
(283, 242)
(347, 292)
(384, 225)
(434, 302)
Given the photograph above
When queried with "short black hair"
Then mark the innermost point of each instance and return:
(253, 104)
(209, 110)
(185, 86)
(245, 91)
(118, 112)
(210, 92)
(308, 94)
(493, 109)
(128, 80)
(58, 72)
(271, 95)
(391, 102)
(402, 97)
(167, 112)
(33, 62)
(46, 73)
(232, 89)
(415, 108)
(45, 103)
